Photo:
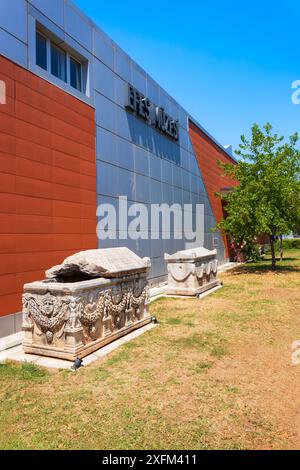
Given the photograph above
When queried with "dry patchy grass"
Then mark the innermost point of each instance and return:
(216, 373)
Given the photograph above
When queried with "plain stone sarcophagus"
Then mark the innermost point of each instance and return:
(192, 272)
(91, 299)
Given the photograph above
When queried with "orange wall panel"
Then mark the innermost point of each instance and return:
(47, 180)
(208, 154)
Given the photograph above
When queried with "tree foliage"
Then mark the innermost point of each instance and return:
(267, 199)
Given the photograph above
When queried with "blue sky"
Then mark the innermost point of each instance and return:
(229, 63)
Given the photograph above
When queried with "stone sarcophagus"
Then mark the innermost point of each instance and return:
(192, 272)
(91, 299)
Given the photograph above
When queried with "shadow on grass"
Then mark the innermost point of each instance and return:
(265, 268)
(288, 259)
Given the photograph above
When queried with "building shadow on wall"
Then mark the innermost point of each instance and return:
(144, 135)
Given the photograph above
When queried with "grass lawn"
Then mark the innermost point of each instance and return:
(216, 373)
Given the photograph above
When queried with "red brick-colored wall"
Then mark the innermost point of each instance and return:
(208, 153)
(47, 180)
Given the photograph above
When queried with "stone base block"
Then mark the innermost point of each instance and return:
(82, 351)
(190, 292)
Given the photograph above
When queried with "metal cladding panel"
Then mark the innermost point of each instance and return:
(12, 48)
(13, 18)
(78, 26)
(53, 9)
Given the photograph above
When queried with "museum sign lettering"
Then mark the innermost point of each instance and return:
(156, 116)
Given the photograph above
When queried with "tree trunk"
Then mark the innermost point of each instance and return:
(272, 239)
(281, 248)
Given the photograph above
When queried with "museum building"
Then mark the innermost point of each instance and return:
(82, 124)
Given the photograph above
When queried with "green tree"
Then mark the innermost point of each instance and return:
(267, 199)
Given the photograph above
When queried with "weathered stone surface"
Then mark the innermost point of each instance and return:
(108, 263)
(192, 272)
(73, 319)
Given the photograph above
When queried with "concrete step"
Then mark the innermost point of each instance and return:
(11, 341)
(157, 292)
(228, 266)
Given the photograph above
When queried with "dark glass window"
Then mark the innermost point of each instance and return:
(58, 63)
(75, 74)
(41, 51)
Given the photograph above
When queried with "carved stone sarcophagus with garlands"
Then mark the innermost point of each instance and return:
(91, 299)
(192, 272)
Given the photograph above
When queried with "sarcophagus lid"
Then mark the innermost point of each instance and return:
(107, 263)
(194, 254)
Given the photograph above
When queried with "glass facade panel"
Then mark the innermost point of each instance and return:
(75, 74)
(58, 63)
(41, 51)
